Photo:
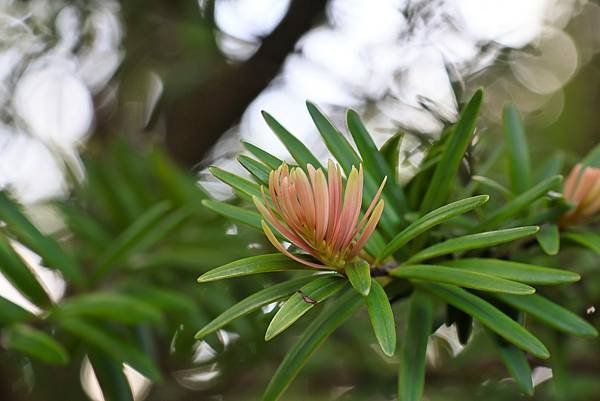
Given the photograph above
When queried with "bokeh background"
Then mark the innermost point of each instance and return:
(191, 77)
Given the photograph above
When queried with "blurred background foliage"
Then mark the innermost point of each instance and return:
(95, 93)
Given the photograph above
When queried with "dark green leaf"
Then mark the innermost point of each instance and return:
(50, 251)
(36, 343)
(473, 241)
(297, 149)
(461, 278)
(314, 335)
(491, 184)
(413, 359)
(110, 375)
(520, 202)
(248, 217)
(265, 157)
(274, 262)
(462, 321)
(359, 274)
(382, 318)
(549, 238)
(519, 167)
(489, 316)
(18, 273)
(257, 169)
(589, 240)
(430, 220)
(243, 185)
(550, 313)
(455, 148)
(516, 363)
(301, 302)
(390, 151)
(12, 313)
(522, 272)
(254, 302)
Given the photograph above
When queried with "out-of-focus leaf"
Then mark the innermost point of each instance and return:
(109, 306)
(36, 343)
(462, 278)
(110, 375)
(111, 345)
(553, 165)
(489, 316)
(18, 273)
(254, 302)
(550, 313)
(163, 299)
(589, 240)
(592, 159)
(522, 272)
(520, 202)
(299, 303)
(314, 335)
(256, 168)
(243, 185)
(181, 188)
(374, 161)
(129, 239)
(50, 251)
(516, 363)
(359, 274)
(265, 157)
(549, 238)
(382, 318)
(473, 241)
(84, 226)
(455, 148)
(411, 377)
(297, 149)
(492, 184)
(12, 313)
(390, 151)
(274, 262)
(430, 220)
(519, 167)
(248, 217)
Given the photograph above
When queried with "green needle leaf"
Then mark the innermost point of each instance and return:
(550, 313)
(111, 377)
(390, 151)
(430, 220)
(315, 334)
(549, 238)
(254, 302)
(461, 278)
(517, 151)
(256, 168)
(411, 377)
(516, 363)
(243, 185)
(587, 239)
(489, 316)
(301, 302)
(473, 241)
(382, 318)
(521, 272)
(245, 216)
(274, 262)
(12, 313)
(359, 274)
(264, 156)
(36, 344)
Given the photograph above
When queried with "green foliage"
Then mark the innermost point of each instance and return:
(471, 271)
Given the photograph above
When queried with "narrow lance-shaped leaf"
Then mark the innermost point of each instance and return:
(50, 251)
(12, 313)
(390, 151)
(373, 160)
(110, 375)
(254, 302)
(256, 168)
(382, 318)
(473, 241)
(359, 274)
(516, 363)
(36, 343)
(314, 335)
(521, 272)
(549, 238)
(550, 313)
(18, 273)
(297, 149)
(264, 156)
(274, 262)
(245, 216)
(462, 278)
(491, 184)
(489, 316)
(588, 239)
(243, 185)
(455, 148)
(520, 202)
(519, 167)
(430, 220)
(301, 302)
(413, 359)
